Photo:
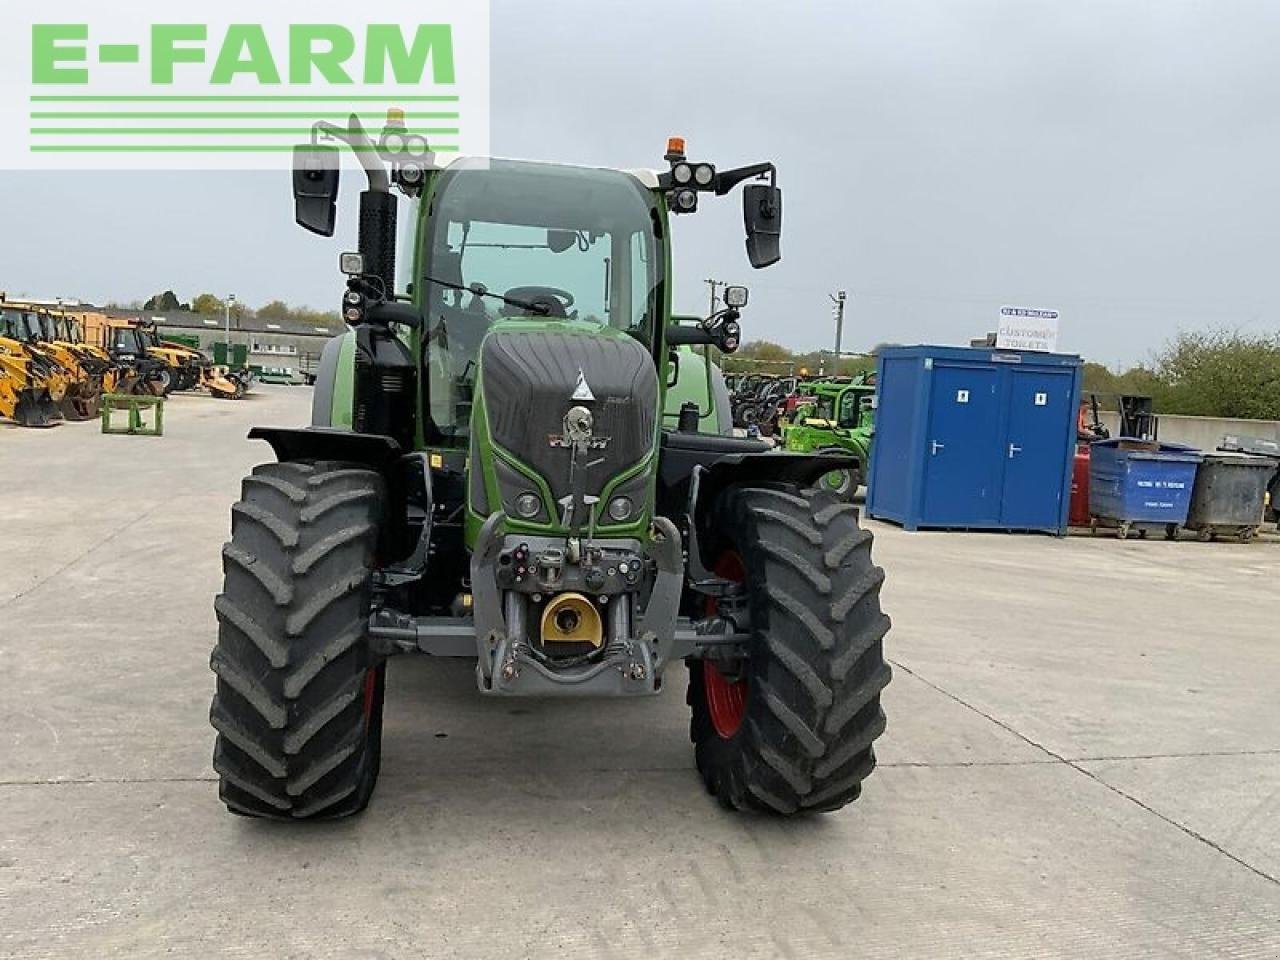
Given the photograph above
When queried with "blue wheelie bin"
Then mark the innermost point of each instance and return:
(1140, 485)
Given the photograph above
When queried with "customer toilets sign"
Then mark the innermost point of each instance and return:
(1024, 328)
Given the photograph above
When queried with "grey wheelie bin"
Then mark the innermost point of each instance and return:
(1229, 496)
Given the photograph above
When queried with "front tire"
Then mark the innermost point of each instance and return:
(298, 707)
(808, 696)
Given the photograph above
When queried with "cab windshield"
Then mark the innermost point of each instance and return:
(852, 403)
(559, 243)
(21, 325)
(127, 340)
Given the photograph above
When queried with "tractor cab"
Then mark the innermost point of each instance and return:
(857, 405)
(22, 326)
(126, 342)
(531, 250)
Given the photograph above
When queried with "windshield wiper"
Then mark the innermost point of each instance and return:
(480, 290)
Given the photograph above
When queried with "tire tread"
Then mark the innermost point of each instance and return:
(294, 739)
(817, 671)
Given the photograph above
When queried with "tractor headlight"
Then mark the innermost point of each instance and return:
(682, 173)
(394, 143)
(620, 509)
(704, 173)
(686, 200)
(528, 505)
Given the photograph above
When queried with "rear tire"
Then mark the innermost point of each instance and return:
(811, 697)
(298, 707)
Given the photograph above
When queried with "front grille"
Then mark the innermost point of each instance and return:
(529, 380)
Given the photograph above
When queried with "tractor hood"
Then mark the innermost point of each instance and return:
(536, 380)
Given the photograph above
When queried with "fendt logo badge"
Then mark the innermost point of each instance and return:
(236, 84)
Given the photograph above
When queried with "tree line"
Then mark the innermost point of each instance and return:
(210, 305)
(1216, 373)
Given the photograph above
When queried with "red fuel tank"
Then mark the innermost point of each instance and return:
(1079, 515)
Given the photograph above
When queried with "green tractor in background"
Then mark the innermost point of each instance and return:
(488, 476)
(838, 418)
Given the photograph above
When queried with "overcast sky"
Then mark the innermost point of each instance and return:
(1118, 161)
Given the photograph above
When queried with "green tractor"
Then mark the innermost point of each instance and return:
(488, 476)
(837, 418)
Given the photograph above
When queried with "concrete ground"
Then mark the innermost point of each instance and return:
(1083, 759)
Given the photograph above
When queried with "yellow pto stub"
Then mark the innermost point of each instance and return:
(572, 618)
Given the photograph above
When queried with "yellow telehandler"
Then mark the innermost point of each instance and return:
(188, 368)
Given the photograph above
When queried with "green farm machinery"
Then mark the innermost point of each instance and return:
(837, 418)
(488, 475)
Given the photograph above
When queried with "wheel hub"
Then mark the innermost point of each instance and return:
(726, 699)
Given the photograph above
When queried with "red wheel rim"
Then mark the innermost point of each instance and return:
(726, 699)
(370, 687)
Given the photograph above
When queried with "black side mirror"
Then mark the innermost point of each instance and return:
(315, 188)
(762, 214)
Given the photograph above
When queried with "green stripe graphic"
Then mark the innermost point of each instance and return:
(272, 98)
(71, 123)
(192, 148)
(211, 131)
(312, 115)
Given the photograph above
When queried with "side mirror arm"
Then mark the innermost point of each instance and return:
(726, 180)
(720, 330)
(355, 137)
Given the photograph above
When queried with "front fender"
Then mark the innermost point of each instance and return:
(326, 443)
(761, 469)
(332, 402)
(695, 469)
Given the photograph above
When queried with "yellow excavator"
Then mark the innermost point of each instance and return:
(75, 379)
(26, 397)
(85, 332)
(139, 372)
(93, 371)
(187, 368)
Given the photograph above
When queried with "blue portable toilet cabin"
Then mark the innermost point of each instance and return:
(974, 438)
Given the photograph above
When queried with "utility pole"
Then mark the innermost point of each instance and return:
(227, 305)
(714, 285)
(838, 300)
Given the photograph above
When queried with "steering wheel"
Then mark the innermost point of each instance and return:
(556, 301)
